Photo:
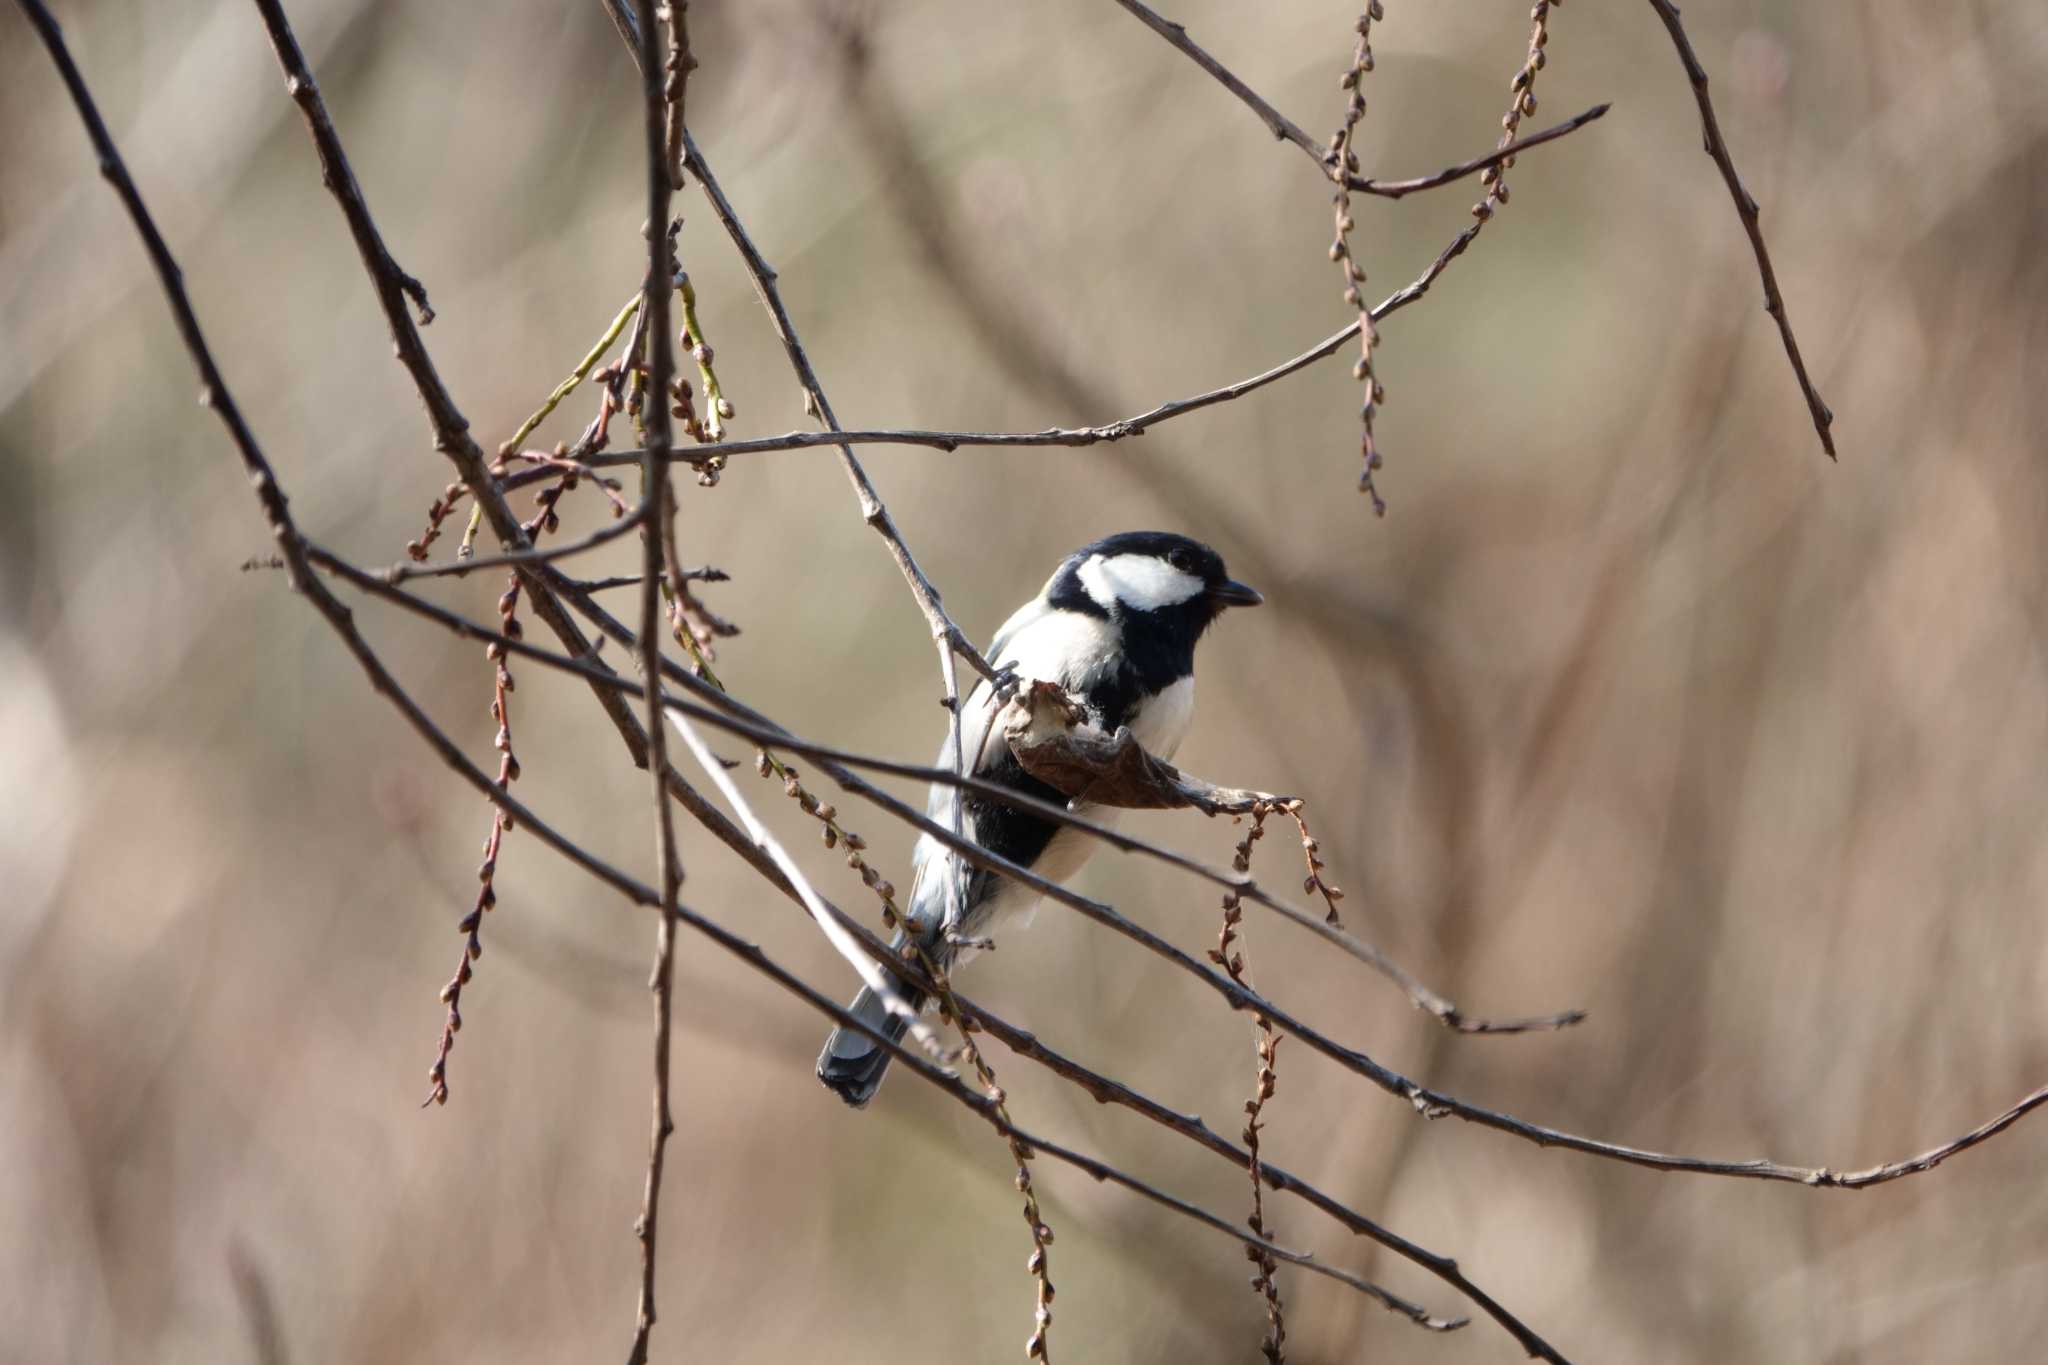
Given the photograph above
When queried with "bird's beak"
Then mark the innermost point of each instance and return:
(1231, 593)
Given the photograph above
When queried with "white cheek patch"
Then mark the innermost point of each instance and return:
(1141, 582)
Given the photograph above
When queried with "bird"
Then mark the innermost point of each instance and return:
(1116, 627)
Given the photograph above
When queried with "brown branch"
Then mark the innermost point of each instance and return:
(451, 430)
(1430, 1103)
(737, 718)
(989, 1110)
(675, 87)
(453, 439)
(214, 394)
(403, 572)
(1343, 162)
(1286, 130)
(1283, 128)
(1102, 1088)
(872, 509)
(1395, 189)
(1227, 955)
(1717, 148)
(471, 924)
(656, 514)
(1134, 425)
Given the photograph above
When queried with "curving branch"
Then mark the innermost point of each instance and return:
(1025, 1044)
(451, 429)
(1717, 147)
(1287, 130)
(728, 714)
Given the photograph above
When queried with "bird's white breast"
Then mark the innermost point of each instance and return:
(1163, 720)
(1064, 647)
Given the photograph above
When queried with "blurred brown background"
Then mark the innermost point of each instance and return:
(1633, 702)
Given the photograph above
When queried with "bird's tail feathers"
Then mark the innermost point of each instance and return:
(853, 1064)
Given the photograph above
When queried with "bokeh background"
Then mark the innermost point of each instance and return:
(1633, 702)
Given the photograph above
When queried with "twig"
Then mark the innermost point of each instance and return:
(936, 985)
(1110, 1091)
(576, 376)
(1134, 425)
(471, 924)
(655, 513)
(718, 409)
(675, 87)
(1717, 148)
(1092, 1166)
(297, 554)
(1277, 123)
(1286, 130)
(1037, 1347)
(876, 980)
(451, 430)
(872, 509)
(1231, 959)
(1343, 162)
(561, 462)
(1311, 854)
(527, 558)
(738, 719)
(1395, 189)
(703, 574)
(1521, 104)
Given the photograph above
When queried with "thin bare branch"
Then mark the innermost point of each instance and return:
(603, 535)
(1094, 1167)
(1427, 1102)
(1286, 130)
(873, 510)
(1395, 189)
(1055, 436)
(876, 980)
(451, 430)
(1717, 147)
(737, 718)
(655, 515)
(1278, 124)
(1430, 1103)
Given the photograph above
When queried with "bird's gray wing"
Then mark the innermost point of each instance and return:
(940, 878)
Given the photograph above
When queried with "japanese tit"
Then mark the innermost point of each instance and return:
(1116, 626)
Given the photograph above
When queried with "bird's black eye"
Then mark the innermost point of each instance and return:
(1182, 560)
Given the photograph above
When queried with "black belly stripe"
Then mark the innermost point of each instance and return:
(1003, 829)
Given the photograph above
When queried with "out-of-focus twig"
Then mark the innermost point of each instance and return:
(1717, 148)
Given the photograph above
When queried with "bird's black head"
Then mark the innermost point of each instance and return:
(1153, 583)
